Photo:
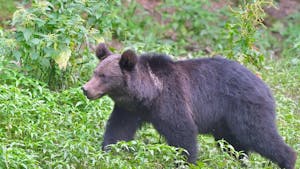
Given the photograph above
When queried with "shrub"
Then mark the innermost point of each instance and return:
(240, 34)
(54, 38)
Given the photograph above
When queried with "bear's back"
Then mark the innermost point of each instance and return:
(226, 77)
(209, 77)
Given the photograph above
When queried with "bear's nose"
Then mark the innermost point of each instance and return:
(84, 90)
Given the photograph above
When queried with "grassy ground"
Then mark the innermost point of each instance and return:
(40, 128)
(7, 8)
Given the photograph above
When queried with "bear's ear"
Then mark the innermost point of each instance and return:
(102, 51)
(128, 60)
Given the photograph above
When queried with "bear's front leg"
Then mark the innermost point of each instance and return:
(179, 131)
(121, 126)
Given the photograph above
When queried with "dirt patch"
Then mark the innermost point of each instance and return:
(216, 5)
(149, 4)
(117, 45)
(283, 9)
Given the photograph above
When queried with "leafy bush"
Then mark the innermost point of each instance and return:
(55, 38)
(7, 45)
(7, 8)
(241, 33)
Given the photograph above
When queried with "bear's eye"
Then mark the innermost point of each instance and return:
(101, 75)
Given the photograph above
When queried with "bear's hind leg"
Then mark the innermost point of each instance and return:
(222, 132)
(237, 147)
(271, 145)
(262, 137)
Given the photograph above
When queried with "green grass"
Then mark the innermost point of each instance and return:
(44, 129)
(41, 128)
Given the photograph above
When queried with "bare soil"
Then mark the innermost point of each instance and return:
(284, 8)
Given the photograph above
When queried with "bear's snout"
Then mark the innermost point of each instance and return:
(84, 90)
(91, 94)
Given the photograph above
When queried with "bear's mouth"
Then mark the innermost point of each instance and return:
(95, 96)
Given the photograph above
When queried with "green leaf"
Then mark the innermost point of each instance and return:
(35, 41)
(295, 61)
(27, 34)
(34, 55)
(63, 58)
(17, 55)
(45, 62)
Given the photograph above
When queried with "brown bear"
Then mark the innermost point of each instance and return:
(183, 98)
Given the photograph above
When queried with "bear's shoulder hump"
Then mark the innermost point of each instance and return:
(156, 60)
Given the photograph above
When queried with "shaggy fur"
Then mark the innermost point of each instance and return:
(181, 99)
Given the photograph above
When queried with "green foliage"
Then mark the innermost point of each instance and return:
(189, 26)
(240, 34)
(291, 46)
(134, 154)
(7, 8)
(7, 45)
(53, 39)
(135, 33)
(233, 30)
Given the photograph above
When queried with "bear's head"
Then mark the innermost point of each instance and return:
(111, 72)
